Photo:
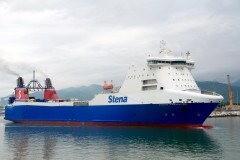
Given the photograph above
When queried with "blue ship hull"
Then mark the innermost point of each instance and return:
(125, 115)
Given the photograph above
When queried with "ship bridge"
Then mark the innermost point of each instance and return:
(167, 59)
(173, 61)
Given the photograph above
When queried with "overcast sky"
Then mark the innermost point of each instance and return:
(80, 42)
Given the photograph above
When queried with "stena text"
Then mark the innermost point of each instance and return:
(113, 99)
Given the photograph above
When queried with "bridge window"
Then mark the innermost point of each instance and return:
(149, 81)
(152, 87)
(179, 62)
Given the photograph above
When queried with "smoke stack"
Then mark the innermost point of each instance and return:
(49, 92)
(21, 92)
(48, 83)
(20, 82)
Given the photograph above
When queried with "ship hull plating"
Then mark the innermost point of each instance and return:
(188, 114)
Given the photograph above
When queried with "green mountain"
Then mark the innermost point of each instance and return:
(83, 93)
(86, 93)
(236, 83)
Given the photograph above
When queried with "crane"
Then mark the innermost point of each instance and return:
(230, 93)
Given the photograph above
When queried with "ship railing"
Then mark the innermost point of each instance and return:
(209, 93)
(203, 92)
(193, 90)
(114, 90)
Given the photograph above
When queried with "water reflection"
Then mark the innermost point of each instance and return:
(49, 146)
(109, 142)
(20, 149)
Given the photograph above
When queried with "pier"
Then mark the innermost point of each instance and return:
(226, 112)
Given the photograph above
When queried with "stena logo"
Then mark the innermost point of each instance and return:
(113, 99)
(19, 94)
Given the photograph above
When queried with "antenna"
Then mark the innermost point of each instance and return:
(188, 55)
(163, 49)
(35, 83)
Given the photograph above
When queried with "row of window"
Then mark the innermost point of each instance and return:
(187, 86)
(178, 68)
(183, 79)
(138, 76)
(182, 74)
(154, 87)
(170, 62)
(149, 81)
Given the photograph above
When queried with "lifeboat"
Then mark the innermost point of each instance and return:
(107, 86)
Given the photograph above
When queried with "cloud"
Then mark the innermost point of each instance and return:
(85, 42)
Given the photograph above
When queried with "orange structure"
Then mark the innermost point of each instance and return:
(230, 92)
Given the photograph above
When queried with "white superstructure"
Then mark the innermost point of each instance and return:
(163, 79)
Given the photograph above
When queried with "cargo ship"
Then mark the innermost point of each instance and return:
(162, 92)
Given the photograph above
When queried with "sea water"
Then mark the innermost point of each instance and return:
(33, 142)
